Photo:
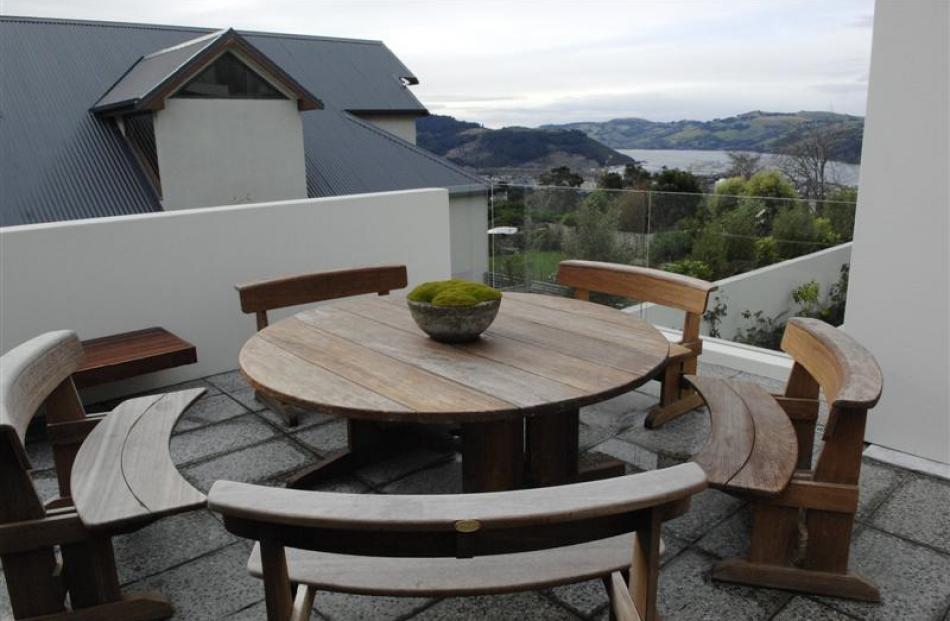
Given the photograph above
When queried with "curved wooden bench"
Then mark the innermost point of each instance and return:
(60, 565)
(821, 499)
(124, 475)
(458, 543)
(752, 448)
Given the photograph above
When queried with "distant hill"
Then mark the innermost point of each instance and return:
(766, 132)
(477, 147)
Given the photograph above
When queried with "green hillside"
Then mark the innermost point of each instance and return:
(766, 132)
(472, 145)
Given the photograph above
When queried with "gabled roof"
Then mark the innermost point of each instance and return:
(154, 76)
(60, 162)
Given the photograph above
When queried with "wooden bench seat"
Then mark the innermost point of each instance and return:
(752, 447)
(123, 474)
(121, 356)
(459, 544)
(441, 577)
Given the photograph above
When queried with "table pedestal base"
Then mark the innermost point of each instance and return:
(496, 455)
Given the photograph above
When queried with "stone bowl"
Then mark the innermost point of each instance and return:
(454, 324)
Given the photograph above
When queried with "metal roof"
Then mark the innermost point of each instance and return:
(58, 161)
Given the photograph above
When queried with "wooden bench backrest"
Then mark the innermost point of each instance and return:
(830, 361)
(260, 297)
(451, 525)
(846, 372)
(32, 373)
(640, 283)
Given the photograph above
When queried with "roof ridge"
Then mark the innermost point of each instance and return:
(94, 23)
(413, 147)
(211, 35)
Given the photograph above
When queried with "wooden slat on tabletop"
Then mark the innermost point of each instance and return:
(518, 387)
(571, 370)
(299, 382)
(378, 372)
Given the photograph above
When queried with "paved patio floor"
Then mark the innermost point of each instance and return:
(902, 541)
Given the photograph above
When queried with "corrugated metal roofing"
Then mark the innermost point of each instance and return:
(59, 162)
(153, 69)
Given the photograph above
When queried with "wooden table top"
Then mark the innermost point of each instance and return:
(366, 358)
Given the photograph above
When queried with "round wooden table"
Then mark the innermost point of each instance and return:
(515, 392)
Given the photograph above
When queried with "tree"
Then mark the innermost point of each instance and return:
(769, 189)
(795, 232)
(595, 236)
(561, 176)
(726, 195)
(806, 161)
(681, 198)
(743, 165)
(839, 209)
(636, 177)
(610, 181)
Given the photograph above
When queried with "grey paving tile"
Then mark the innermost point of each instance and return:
(706, 510)
(208, 410)
(672, 547)
(346, 607)
(918, 510)
(914, 580)
(402, 464)
(877, 484)
(651, 388)
(209, 587)
(324, 439)
(6, 612)
(253, 464)
(342, 485)
(40, 454)
(804, 609)
(716, 370)
(772, 385)
(168, 542)
(213, 440)
(677, 440)
(305, 420)
(730, 538)
(624, 404)
(47, 487)
(528, 606)
(637, 456)
(443, 479)
(233, 384)
(591, 436)
(256, 612)
(687, 593)
(585, 598)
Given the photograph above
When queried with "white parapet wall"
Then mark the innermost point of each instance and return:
(178, 269)
(768, 289)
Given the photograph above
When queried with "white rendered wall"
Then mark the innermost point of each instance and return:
(178, 269)
(768, 289)
(400, 125)
(469, 217)
(898, 303)
(229, 151)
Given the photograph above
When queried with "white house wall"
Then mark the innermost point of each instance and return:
(400, 125)
(898, 301)
(229, 151)
(178, 269)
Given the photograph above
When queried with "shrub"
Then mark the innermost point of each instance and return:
(690, 267)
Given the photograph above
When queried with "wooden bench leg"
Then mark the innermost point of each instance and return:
(90, 573)
(137, 607)
(34, 587)
(674, 399)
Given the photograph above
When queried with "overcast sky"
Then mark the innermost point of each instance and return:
(502, 62)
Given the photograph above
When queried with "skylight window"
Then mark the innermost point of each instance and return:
(229, 78)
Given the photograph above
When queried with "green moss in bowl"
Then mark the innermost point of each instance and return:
(453, 292)
(454, 311)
